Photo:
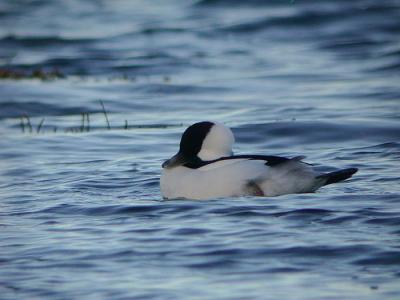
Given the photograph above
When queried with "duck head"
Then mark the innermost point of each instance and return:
(202, 141)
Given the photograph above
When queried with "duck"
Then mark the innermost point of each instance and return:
(206, 168)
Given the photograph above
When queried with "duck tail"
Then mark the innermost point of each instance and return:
(337, 176)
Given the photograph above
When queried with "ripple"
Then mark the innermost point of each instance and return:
(382, 258)
(309, 132)
(299, 20)
(191, 231)
(11, 109)
(42, 41)
(325, 251)
(105, 210)
(306, 212)
(394, 221)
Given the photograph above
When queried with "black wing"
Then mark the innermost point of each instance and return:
(269, 160)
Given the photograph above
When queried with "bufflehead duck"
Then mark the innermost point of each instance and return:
(205, 168)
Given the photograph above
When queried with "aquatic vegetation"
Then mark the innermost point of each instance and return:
(26, 125)
(7, 73)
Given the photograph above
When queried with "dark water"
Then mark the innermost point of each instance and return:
(81, 216)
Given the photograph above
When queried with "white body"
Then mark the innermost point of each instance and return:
(232, 177)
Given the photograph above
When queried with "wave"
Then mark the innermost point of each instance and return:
(310, 132)
(11, 109)
(42, 41)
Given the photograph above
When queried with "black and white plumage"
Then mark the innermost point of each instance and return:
(205, 168)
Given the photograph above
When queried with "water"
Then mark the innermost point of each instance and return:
(81, 212)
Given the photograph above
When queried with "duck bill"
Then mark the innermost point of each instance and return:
(175, 161)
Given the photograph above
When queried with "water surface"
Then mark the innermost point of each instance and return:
(81, 212)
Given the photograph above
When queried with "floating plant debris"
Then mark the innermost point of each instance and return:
(34, 74)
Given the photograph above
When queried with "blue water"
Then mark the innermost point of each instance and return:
(81, 215)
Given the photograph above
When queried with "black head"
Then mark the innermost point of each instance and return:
(193, 137)
(190, 145)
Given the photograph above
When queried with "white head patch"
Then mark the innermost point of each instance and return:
(217, 143)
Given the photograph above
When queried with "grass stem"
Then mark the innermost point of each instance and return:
(22, 125)
(105, 114)
(28, 123)
(87, 122)
(39, 126)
